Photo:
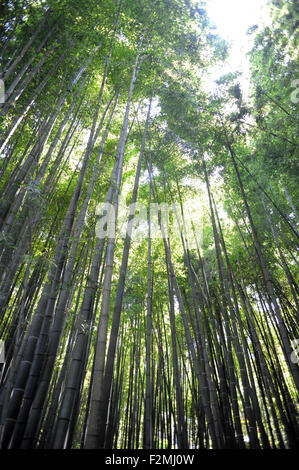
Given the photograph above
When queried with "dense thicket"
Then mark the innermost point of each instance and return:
(121, 330)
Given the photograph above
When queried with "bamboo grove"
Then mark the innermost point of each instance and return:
(183, 336)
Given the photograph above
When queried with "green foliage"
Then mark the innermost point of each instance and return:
(229, 153)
